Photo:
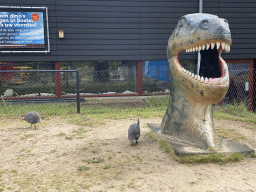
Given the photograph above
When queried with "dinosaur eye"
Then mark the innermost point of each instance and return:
(182, 22)
(204, 23)
(225, 20)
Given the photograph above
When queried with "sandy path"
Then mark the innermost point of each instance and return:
(49, 159)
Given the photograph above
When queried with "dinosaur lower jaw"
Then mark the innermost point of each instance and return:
(198, 88)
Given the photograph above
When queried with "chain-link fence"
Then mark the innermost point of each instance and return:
(66, 89)
(24, 90)
(239, 99)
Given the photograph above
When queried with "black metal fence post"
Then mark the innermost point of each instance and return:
(77, 92)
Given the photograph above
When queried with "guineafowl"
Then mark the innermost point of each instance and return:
(134, 132)
(32, 117)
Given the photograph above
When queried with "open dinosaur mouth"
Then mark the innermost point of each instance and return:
(213, 69)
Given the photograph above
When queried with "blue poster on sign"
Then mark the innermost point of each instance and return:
(21, 30)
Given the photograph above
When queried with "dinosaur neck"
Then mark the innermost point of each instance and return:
(188, 120)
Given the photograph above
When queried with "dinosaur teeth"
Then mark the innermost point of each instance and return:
(223, 45)
(185, 71)
(212, 45)
(218, 45)
(207, 46)
(227, 48)
(206, 80)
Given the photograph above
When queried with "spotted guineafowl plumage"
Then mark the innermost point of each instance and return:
(32, 117)
(134, 132)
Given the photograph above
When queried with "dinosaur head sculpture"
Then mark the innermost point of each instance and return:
(210, 35)
(188, 115)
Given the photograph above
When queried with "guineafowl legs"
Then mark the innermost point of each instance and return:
(134, 143)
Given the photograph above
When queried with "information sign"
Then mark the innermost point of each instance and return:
(21, 30)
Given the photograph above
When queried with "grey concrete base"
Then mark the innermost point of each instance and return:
(182, 147)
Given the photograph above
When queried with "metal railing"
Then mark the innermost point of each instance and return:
(29, 85)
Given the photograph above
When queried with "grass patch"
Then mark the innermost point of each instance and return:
(23, 150)
(230, 134)
(158, 102)
(251, 127)
(93, 115)
(131, 184)
(240, 109)
(62, 134)
(212, 158)
(82, 168)
(89, 115)
(151, 136)
(68, 137)
(27, 136)
(94, 160)
(107, 167)
(224, 115)
(236, 112)
(138, 158)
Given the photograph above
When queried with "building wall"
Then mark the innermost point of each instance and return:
(131, 30)
(242, 22)
(52, 56)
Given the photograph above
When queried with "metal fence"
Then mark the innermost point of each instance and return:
(30, 87)
(72, 87)
(239, 99)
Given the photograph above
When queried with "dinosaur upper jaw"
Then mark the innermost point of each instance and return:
(212, 83)
(220, 45)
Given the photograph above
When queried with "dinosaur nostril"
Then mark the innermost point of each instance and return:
(223, 32)
(220, 30)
